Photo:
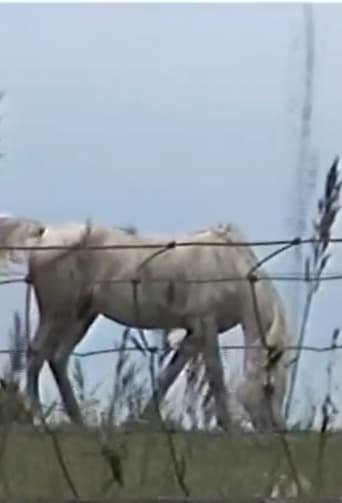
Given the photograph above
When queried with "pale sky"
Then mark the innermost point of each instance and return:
(169, 118)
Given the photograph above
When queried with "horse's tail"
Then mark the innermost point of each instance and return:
(17, 234)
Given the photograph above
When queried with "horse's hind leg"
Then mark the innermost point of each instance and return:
(58, 367)
(207, 329)
(187, 349)
(38, 351)
(58, 363)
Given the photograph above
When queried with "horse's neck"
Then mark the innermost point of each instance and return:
(266, 295)
(233, 234)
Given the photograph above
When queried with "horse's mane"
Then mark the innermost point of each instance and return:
(233, 234)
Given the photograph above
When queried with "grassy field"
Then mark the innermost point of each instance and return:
(209, 464)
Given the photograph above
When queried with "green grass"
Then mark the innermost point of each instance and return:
(212, 464)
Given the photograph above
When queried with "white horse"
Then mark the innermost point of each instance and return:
(191, 282)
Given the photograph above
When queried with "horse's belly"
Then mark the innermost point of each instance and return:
(121, 304)
(149, 308)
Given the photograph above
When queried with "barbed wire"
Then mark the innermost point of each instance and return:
(171, 244)
(158, 350)
(280, 277)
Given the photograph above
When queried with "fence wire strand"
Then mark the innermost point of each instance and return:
(172, 244)
(160, 351)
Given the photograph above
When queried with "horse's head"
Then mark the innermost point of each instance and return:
(266, 373)
(262, 395)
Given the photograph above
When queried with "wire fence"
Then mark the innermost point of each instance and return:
(282, 245)
(252, 276)
(270, 359)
